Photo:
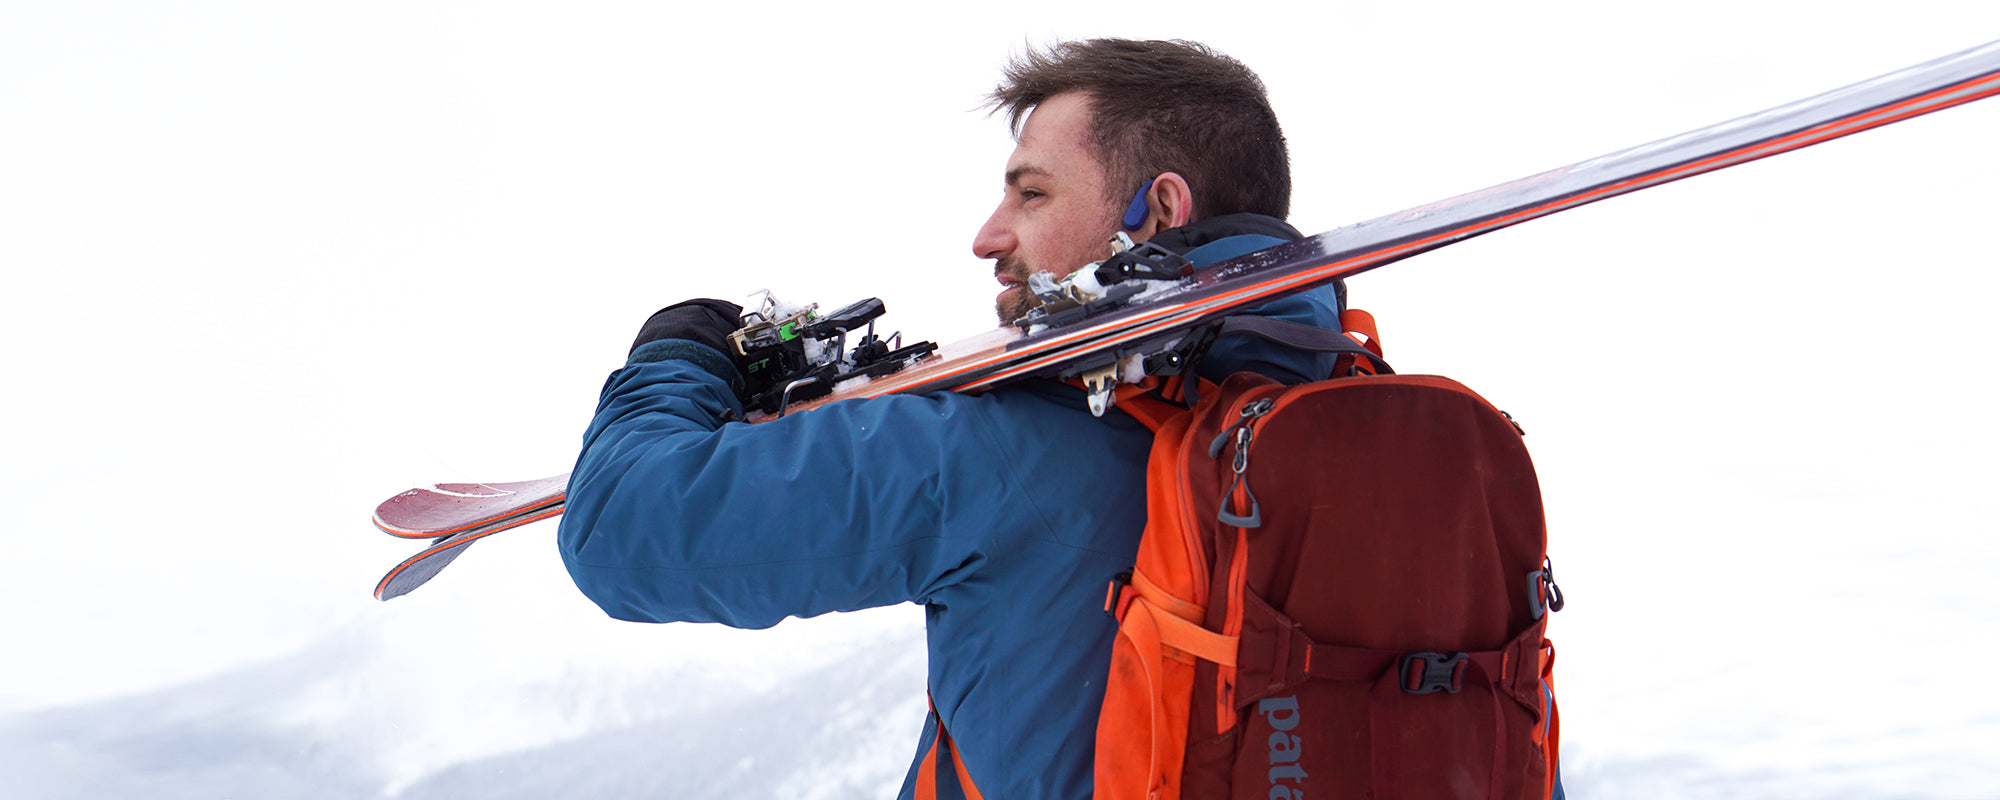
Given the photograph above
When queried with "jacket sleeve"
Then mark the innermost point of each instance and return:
(673, 515)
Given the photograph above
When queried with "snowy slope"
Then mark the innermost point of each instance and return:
(344, 720)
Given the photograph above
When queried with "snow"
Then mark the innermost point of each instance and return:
(359, 715)
(270, 264)
(489, 492)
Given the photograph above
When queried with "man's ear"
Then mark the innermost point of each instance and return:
(1169, 203)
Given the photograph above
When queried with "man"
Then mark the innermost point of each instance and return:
(1006, 513)
(1112, 118)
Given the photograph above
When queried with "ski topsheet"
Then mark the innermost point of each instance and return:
(449, 508)
(1006, 354)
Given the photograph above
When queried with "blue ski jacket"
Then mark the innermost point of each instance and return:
(1005, 514)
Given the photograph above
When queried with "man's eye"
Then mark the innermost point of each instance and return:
(1031, 194)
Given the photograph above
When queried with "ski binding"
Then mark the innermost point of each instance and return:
(792, 354)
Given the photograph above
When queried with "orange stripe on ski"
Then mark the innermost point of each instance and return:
(461, 540)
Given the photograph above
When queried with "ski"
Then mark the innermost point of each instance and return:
(448, 508)
(420, 568)
(1096, 338)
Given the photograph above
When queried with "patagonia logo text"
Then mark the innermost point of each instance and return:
(1283, 714)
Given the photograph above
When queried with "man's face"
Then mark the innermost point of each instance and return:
(1057, 214)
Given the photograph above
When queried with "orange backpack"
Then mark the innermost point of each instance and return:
(1341, 591)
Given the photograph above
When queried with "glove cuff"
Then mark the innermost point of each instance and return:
(696, 353)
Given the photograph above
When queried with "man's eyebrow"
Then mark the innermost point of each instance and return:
(1014, 175)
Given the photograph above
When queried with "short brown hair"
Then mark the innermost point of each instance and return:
(1160, 106)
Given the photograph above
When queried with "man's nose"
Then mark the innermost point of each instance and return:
(995, 238)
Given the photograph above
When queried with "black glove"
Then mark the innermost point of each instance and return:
(706, 322)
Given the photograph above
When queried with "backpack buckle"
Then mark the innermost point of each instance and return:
(1544, 595)
(1245, 432)
(1434, 672)
(1114, 595)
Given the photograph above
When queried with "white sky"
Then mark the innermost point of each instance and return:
(266, 264)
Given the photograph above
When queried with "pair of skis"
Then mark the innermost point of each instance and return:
(453, 516)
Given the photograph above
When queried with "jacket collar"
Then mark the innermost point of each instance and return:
(1195, 234)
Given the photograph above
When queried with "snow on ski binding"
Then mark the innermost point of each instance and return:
(792, 354)
(1132, 271)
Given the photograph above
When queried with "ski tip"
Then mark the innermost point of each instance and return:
(419, 569)
(426, 564)
(404, 533)
(445, 509)
(391, 508)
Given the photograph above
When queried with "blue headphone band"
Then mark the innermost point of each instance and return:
(1135, 214)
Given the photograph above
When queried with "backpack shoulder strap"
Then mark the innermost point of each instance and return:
(1357, 341)
(1143, 402)
(1311, 338)
(1360, 325)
